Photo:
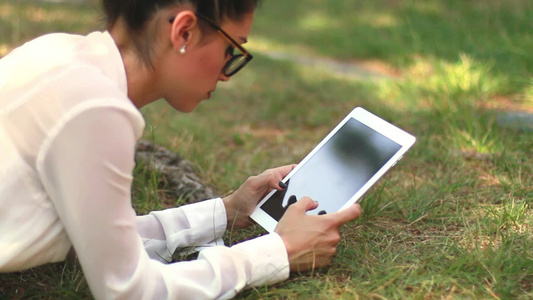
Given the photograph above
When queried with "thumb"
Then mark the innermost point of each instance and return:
(305, 204)
(348, 214)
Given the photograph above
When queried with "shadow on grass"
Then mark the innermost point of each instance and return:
(64, 280)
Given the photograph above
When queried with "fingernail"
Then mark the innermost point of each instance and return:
(322, 212)
(282, 185)
(292, 200)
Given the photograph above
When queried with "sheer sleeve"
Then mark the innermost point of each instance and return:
(86, 168)
(188, 228)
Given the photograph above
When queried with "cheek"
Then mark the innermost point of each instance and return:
(213, 68)
(203, 74)
(212, 62)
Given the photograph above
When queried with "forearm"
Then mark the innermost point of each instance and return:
(195, 225)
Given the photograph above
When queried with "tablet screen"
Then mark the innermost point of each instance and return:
(337, 170)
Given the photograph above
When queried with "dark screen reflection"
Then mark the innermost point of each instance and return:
(338, 170)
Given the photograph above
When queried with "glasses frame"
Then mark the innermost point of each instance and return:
(244, 53)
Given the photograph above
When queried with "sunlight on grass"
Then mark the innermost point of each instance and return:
(383, 20)
(317, 21)
(260, 43)
(4, 49)
(5, 10)
(511, 215)
(429, 7)
(468, 141)
(466, 77)
(450, 86)
(496, 222)
(528, 94)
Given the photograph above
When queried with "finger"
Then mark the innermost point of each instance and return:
(346, 215)
(284, 170)
(274, 176)
(282, 185)
(268, 180)
(291, 201)
(281, 172)
(305, 204)
(273, 181)
(271, 178)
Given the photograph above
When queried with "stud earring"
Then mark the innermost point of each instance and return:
(182, 49)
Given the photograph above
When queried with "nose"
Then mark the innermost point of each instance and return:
(223, 77)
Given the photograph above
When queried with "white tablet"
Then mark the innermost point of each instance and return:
(341, 168)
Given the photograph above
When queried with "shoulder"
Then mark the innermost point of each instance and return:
(61, 60)
(69, 74)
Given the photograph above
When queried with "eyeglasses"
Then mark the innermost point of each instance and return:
(237, 61)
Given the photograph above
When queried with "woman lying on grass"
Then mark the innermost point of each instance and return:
(69, 121)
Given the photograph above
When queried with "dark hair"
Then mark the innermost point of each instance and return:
(137, 13)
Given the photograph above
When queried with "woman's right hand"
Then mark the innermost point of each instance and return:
(311, 240)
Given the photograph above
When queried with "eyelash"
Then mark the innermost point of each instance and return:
(230, 50)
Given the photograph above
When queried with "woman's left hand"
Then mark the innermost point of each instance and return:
(242, 202)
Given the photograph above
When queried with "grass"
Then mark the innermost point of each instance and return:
(452, 220)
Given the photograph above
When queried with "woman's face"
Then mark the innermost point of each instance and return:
(193, 76)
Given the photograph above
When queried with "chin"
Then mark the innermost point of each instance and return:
(187, 110)
(184, 107)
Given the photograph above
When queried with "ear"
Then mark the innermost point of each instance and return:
(184, 27)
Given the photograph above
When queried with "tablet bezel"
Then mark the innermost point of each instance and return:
(401, 137)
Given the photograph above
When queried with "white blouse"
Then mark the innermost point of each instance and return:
(67, 137)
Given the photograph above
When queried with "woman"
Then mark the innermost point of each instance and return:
(69, 121)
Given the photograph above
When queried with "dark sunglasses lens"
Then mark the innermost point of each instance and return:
(235, 64)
